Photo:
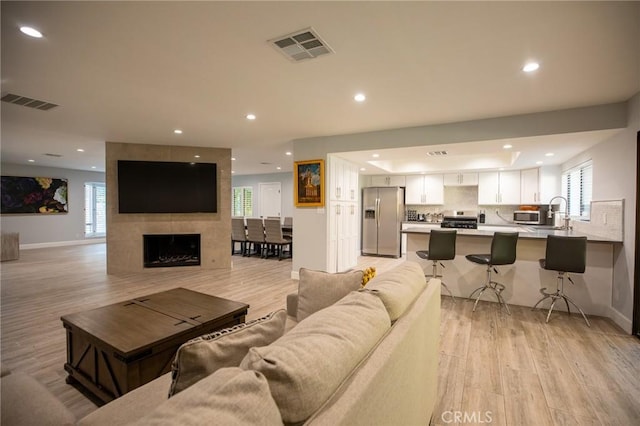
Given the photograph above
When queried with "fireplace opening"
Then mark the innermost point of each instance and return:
(161, 251)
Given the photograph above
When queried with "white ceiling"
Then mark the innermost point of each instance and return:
(134, 72)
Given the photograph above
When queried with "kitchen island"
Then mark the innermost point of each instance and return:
(524, 279)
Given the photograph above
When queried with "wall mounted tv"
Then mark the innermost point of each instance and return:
(166, 187)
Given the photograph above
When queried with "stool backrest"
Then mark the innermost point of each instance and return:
(566, 254)
(503, 248)
(442, 244)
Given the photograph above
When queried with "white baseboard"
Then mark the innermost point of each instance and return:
(62, 243)
(295, 275)
(625, 323)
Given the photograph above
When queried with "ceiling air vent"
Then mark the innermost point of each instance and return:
(48, 154)
(28, 102)
(436, 153)
(301, 45)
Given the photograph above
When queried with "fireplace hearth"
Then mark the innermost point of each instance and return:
(167, 250)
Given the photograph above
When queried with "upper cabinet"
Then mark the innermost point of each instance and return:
(539, 185)
(461, 179)
(424, 189)
(343, 180)
(499, 187)
(530, 186)
(388, 180)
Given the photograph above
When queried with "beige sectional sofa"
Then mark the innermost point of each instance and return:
(369, 358)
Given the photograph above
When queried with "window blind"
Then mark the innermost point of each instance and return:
(577, 188)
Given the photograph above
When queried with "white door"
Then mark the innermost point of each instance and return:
(270, 199)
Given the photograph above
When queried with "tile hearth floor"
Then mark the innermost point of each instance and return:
(521, 370)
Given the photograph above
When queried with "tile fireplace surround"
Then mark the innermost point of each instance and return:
(125, 252)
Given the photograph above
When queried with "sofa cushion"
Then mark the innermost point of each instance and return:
(27, 402)
(317, 289)
(230, 396)
(203, 355)
(306, 365)
(399, 287)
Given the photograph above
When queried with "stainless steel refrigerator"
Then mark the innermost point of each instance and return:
(382, 215)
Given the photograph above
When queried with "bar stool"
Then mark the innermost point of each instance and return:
(503, 252)
(564, 255)
(442, 246)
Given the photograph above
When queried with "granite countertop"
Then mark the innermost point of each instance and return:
(531, 232)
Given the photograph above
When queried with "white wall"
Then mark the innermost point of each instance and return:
(42, 228)
(614, 174)
(286, 181)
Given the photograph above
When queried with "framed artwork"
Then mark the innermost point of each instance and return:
(24, 195)
(308, 183)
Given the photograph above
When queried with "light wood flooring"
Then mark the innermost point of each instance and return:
(519, 369)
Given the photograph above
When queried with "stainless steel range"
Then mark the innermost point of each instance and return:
(464, 222)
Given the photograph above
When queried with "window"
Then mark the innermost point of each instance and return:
(95, 209)
(242, 201)
(577, 188)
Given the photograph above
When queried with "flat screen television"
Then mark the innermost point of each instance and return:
(166, 187)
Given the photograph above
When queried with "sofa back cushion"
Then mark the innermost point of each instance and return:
(305, 366)
(399, 287)
(318, 289)
(199, 357)
(230, 396)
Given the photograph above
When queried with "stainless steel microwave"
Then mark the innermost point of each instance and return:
(529, 217)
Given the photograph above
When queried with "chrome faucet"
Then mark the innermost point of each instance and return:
(566, 218)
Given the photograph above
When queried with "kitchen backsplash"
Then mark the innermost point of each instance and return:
(465, 199)
(606, 220)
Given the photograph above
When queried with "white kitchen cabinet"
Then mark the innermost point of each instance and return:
(343, 215)
(499, 187)
(539, 185)
(460, 179)
(424, 189)
(388, 180)
(530, 186)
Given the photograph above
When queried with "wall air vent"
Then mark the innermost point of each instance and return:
(53, 155)
(28, 102)
(301, 45)
(436, 153)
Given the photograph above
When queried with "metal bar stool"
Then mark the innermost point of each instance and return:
(442, 246)
(564, 255)
(503, 252)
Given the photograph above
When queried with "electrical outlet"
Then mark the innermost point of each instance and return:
(604, 218)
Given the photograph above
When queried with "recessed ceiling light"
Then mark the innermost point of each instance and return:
(507, 146)
(93, 167)
(80, 150)
(376, 155)
(177, 131)
(362, 169)
(360, 97)
(278, 168)
(31, 32)
(501, 168)
(196, 156)
(233, 158)
(251, 117)
(287, 153)
(31, 161)
(538, 162)
(530, 66)
(233, 171)
(549, 154)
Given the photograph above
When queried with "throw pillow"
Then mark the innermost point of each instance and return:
(309, 363)
(230, 396)
(317, 289)
(199, 357)
(399, 287)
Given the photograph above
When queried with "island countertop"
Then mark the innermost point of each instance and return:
(527, 232)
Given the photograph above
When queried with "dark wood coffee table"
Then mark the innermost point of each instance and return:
(117, 348)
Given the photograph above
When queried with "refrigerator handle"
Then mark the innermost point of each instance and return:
(377, 212)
